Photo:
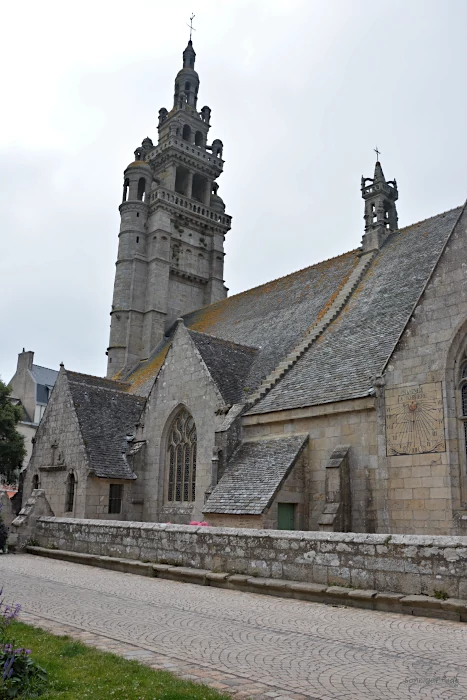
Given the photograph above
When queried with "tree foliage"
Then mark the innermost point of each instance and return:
(12, 449)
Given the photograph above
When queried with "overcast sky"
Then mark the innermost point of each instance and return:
(301, 92)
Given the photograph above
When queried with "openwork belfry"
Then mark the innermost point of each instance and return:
(181, 458)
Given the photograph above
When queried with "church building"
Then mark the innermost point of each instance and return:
(334, 398)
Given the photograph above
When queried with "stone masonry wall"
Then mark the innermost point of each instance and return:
(59, 426)
(182, 381)
(409, 564)
(347, 422)
(425, 490)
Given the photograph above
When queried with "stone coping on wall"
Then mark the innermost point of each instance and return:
(405, 564)
(300, 535)
(387, 601)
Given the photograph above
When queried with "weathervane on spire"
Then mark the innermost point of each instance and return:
(192, 29)
(377, 153)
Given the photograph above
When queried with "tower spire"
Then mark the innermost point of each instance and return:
(380, 216)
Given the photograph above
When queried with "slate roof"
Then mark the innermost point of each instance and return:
(254, 474)
(44, 375)
(354, 348)
(228, 364)
(271, 318)
(106, 413)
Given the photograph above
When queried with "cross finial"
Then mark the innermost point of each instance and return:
(377, 153)
(192, 29)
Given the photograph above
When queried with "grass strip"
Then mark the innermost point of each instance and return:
(77, 672)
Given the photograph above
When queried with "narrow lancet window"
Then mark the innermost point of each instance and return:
(70, 492)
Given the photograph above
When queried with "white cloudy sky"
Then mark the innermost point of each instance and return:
(301, 91)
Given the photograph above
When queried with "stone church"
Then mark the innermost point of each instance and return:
(334, 398)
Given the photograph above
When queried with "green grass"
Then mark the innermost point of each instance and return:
(77, 672)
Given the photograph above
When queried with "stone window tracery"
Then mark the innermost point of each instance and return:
(181, 458)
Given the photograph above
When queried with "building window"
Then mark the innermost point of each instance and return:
(181, 458)
(115, 498)
(70, 492)
(35, 481)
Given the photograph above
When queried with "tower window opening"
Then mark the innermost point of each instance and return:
(137, 239)
(187, 87)
(35, 481)
(181, 180)
(126, 187)
(141, 189)
(198, 138)
(186, 133)
(199, 188)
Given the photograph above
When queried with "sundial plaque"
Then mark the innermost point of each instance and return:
(415, 420)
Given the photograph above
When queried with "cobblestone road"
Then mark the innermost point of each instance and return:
(251, 646)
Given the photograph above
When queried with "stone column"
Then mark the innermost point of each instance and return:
(207, 192)
(189, 184)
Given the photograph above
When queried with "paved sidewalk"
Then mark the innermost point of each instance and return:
(250, 646)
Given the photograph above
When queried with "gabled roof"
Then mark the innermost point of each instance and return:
(106, 413)
(344, 361)
(227, 362)
(254, 474)
(44, 375)
(271, 318)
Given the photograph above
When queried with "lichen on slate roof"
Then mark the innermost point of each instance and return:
(272, 318)
(254, 474)
(354, 348)
(106, 413)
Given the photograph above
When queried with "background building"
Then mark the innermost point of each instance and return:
(31, 388)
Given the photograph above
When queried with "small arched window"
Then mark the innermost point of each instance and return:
(187, 87)
(198, 138)
(70, 492)
(141, 189)
(35, 481)
(181, 458)
(186, 133)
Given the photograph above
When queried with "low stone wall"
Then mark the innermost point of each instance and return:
(407, 564)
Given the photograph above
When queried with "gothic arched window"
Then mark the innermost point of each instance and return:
(181, 458)
(463, 404)
(70, 492)
(35, 481)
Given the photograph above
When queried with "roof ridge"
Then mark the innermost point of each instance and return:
(282, 277)
(50, 369)
(116, 384)
(230, 343)
(422, 221)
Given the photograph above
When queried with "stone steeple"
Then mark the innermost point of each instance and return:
(380, 208)
(173, 224)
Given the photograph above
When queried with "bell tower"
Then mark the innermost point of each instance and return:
(380, 209)
(173, 225)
